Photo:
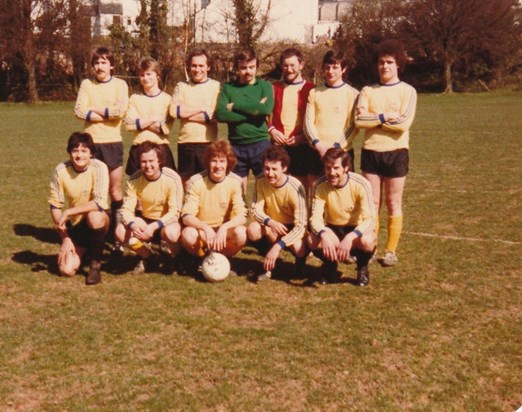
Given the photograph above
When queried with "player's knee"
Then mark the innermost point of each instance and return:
(97, 220)
(70, 266)
(171, 232)
(189, 236)
(367, 242)
(120, 232)
(299, 248)
(239, 234)
(254, 232)
(313, 241)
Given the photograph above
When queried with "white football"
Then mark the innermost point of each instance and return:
(215, 267)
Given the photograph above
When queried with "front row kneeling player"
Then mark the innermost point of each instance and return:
(279, 211)
(83, 183)
(160, 192)
(342, 217)
(214, 212)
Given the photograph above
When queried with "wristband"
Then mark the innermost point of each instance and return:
(315, 141)
(381, 118)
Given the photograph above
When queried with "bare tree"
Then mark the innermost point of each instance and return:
(460, 32)
(366, 24)
(250, 20)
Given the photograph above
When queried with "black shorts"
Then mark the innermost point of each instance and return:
(394, 163)
(304, 161)
(250, 157)
(341, 231)
(190, 159)
(133, 162)
(80, 234)
(109, 153)
(318, 165)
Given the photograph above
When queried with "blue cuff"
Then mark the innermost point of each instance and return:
(281, 243)
(129, 225)
(88, 117)
(160, 224)
(207, 118)
(337, 145)
(320, 232)
(357, 233)
(106, 113)
(381, 118)
(178, 111)
(100, 209)
(138, 125)
(265, 222)
(315, 141)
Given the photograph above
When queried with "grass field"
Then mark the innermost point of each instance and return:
(438, 332)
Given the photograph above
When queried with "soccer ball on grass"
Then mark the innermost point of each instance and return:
(215, 267)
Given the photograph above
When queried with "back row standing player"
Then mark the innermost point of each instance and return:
(148, 116)
(244, 105)
(286, 123)
(102, 103)
(194, 103)
(386, 111)
(329, 120)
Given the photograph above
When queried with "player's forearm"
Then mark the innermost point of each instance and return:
(91, 206)
(55, 215)
(234, 222)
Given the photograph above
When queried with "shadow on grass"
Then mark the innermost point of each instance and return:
(283, 272)
(37, 262)
(42, 234)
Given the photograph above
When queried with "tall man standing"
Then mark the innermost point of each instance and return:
(386, 111)
(244, 105)
(194, 103)
(286, 123)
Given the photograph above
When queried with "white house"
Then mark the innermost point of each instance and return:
(301, 21)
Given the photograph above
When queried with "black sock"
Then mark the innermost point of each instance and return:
(362, 257)
(97, 242)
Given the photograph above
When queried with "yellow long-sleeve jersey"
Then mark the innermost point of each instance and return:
(330, 114)
(203, 95)
(214, 203)
(142, 106)
(381, 135)
(113, 96)
(285, 204)
(78, 188)
(160, 199)
(349, 205)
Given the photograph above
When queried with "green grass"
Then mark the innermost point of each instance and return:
(437, 332)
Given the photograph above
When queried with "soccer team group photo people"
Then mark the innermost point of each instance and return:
(296, 138)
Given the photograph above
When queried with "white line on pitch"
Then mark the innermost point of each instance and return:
(471, 239)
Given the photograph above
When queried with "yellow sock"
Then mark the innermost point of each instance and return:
(394, 232)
